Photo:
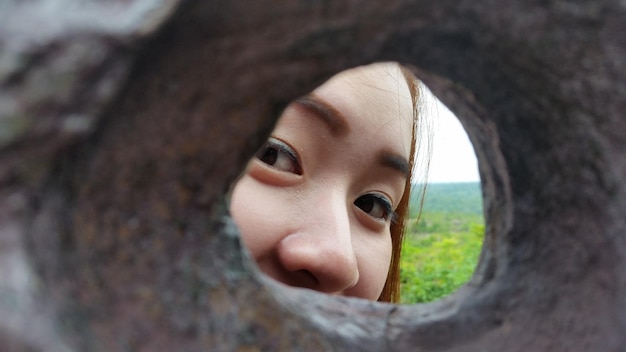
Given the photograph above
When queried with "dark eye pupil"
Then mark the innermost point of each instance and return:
(270, 155)
(365, 203)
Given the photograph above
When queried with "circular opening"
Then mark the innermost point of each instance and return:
(311, 203)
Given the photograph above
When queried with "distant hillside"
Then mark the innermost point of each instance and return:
(460, 198)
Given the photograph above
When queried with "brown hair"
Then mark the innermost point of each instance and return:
(391, 290)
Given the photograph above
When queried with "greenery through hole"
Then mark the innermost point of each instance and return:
(441, 250)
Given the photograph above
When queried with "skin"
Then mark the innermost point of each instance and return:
(315, 206)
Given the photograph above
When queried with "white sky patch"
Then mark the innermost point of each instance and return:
(453, 157)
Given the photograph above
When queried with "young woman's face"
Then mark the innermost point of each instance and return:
(315, 205)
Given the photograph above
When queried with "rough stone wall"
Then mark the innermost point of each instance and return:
(122, 125)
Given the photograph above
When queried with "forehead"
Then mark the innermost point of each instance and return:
(375, 100)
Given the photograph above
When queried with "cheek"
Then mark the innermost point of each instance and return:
(374, 259)
(246, 208)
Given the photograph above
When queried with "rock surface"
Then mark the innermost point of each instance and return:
(122, 125)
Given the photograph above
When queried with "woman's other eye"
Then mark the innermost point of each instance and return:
(376, 206)
(279, 155)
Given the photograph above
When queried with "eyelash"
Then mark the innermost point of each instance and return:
(271, 152)
(380, 200)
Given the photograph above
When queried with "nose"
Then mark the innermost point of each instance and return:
(319, 253)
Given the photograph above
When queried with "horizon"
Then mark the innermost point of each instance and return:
(413, 184)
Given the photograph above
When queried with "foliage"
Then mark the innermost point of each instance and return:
(449, 198)
(441, 251)
(440, 222)
(434, 265)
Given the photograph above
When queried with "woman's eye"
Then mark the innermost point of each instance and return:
(376, 206)
(280, 156)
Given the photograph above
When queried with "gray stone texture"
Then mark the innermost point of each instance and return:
(123, 123)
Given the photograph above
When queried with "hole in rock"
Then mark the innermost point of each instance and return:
(444, 234)
(324, 202)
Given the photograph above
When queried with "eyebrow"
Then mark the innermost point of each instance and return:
(336, 122)
(333, 118)
(394, 161)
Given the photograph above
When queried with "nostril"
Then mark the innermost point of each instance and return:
(311, 263)
(309, 276)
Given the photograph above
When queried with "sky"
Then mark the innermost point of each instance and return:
(453, 157)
